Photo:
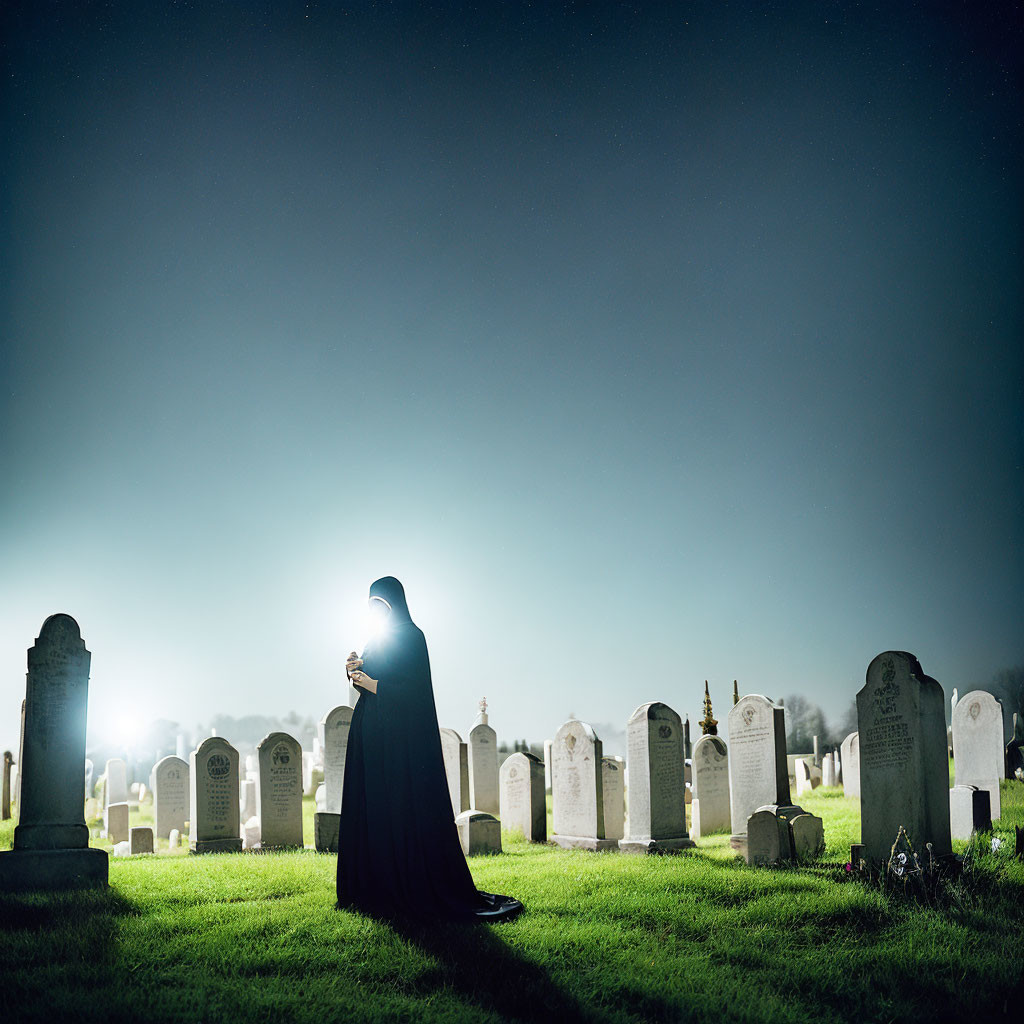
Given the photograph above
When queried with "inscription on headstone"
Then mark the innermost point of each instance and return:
(170, 795)
(279, 791)
(577, 793)
(710, 807)
(758, 773)
(213, 803)
(523, 804)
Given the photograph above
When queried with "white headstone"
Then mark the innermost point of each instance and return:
(213, 797)
(805, 779)
(969, 810)
(978, 756)
(547, 765)
(456, 768)
(613, 793)
(904, 773)
(523, 802)
(247, 806)
(174, 839)
(251, 834)
(51, 839)
(115, 822)
(117, 781)
(483, 767)
(758, 773)
(170, 802)
(828, 770)
(334, 729)
(851, 764)
(279, 791)
(577, 793)
(479, 832)
(655, 753)
(710, 807)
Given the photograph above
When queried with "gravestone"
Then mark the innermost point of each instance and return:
(456, 768)
(251, 834)
(51, 840)
(828, 770)
(655, 752)
(969, 810)
(213, 798)
(1014, 754)
(252, 767)
(483, 764)
(174, 839)
(817, 753)
(140, 839)
(806, 778)
(334, 730)
(170, 795)
(89, 769)
(851, 764)
(547, 765)
(758, 774)
(767, 838)
(904, 773)
(577, 793)
(522, 798)
(808, 835)
(21, 753)
(247, 799)
(5, 801)
(117, 782)
(279, 791)
(710, 807)
(613, 792)
(479, 832)
(978, 756)
(115, 821)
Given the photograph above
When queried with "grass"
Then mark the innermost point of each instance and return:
(606, 937)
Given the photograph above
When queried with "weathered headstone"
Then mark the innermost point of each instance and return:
(817, 753)
(456, 768)
(115, 821)
(174, 839)
(117, 781)
(279, 791)
(140, 839)
(710, 807)
(247, 807)
(51, 840)
(577, 793)
(767, 838)
(479, 832)
(806, 778)
(613, 793)
(483, 764)
(657, 808)
(334, 730)
(758, 774)
(808, 835)
(5, 800)
(522, 798)
(828, 770)
(851, 764)
(978, 756)
(171, 795)
(969, 810)
(213, 797)
(547, 765)
(904, 774)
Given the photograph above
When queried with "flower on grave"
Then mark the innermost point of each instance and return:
(996, 843)
(847, 867)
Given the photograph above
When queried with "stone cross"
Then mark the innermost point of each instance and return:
(51, 840)
(904, 773)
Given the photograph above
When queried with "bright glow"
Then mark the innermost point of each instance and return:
(126, 729)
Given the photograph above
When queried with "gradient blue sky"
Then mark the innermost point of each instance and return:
(646, 344)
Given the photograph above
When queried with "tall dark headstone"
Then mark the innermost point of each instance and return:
(51, 841)
(5, 805)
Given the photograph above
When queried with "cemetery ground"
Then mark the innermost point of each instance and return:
(606, 937)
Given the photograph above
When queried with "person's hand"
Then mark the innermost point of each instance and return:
(360, 678)
(354, 662)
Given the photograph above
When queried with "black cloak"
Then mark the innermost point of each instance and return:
(399, 853)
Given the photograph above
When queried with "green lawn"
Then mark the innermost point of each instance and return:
(606, 937)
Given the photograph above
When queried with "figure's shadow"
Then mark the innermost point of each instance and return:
(478, 963)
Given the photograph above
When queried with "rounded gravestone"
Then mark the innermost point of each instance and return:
(978, 756)
(213, 797)
(279, 791)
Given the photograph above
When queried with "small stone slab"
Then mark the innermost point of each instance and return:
(970, 810)
(140, 839)
(116, 817)
(585, 843)
(808, 835)
(479, 832)
(655, 845)
(216, 846)
(326, 829)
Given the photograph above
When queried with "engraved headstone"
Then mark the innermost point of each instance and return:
(851, 764)
(978, 756)
(808, 836)
(969, 811)
(767, 838)
(334, 729)
(523, 803)
(614, 796)
(170, 795)
(483, 764)
(213, 797)
(479, 832)
(758, 773)
(279, 791)
(117, 781)
(710, 807)
(655, 753)
(577, 794)
(904, 773)
(51, 840)
(456, 768)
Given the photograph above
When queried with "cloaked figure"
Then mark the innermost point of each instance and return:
(398, 847)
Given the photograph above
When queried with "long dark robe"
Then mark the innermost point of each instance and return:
(398, 848)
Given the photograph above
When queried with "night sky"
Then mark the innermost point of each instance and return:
(647, 344)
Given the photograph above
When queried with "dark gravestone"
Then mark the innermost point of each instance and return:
(5, 808)
(51, 841)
